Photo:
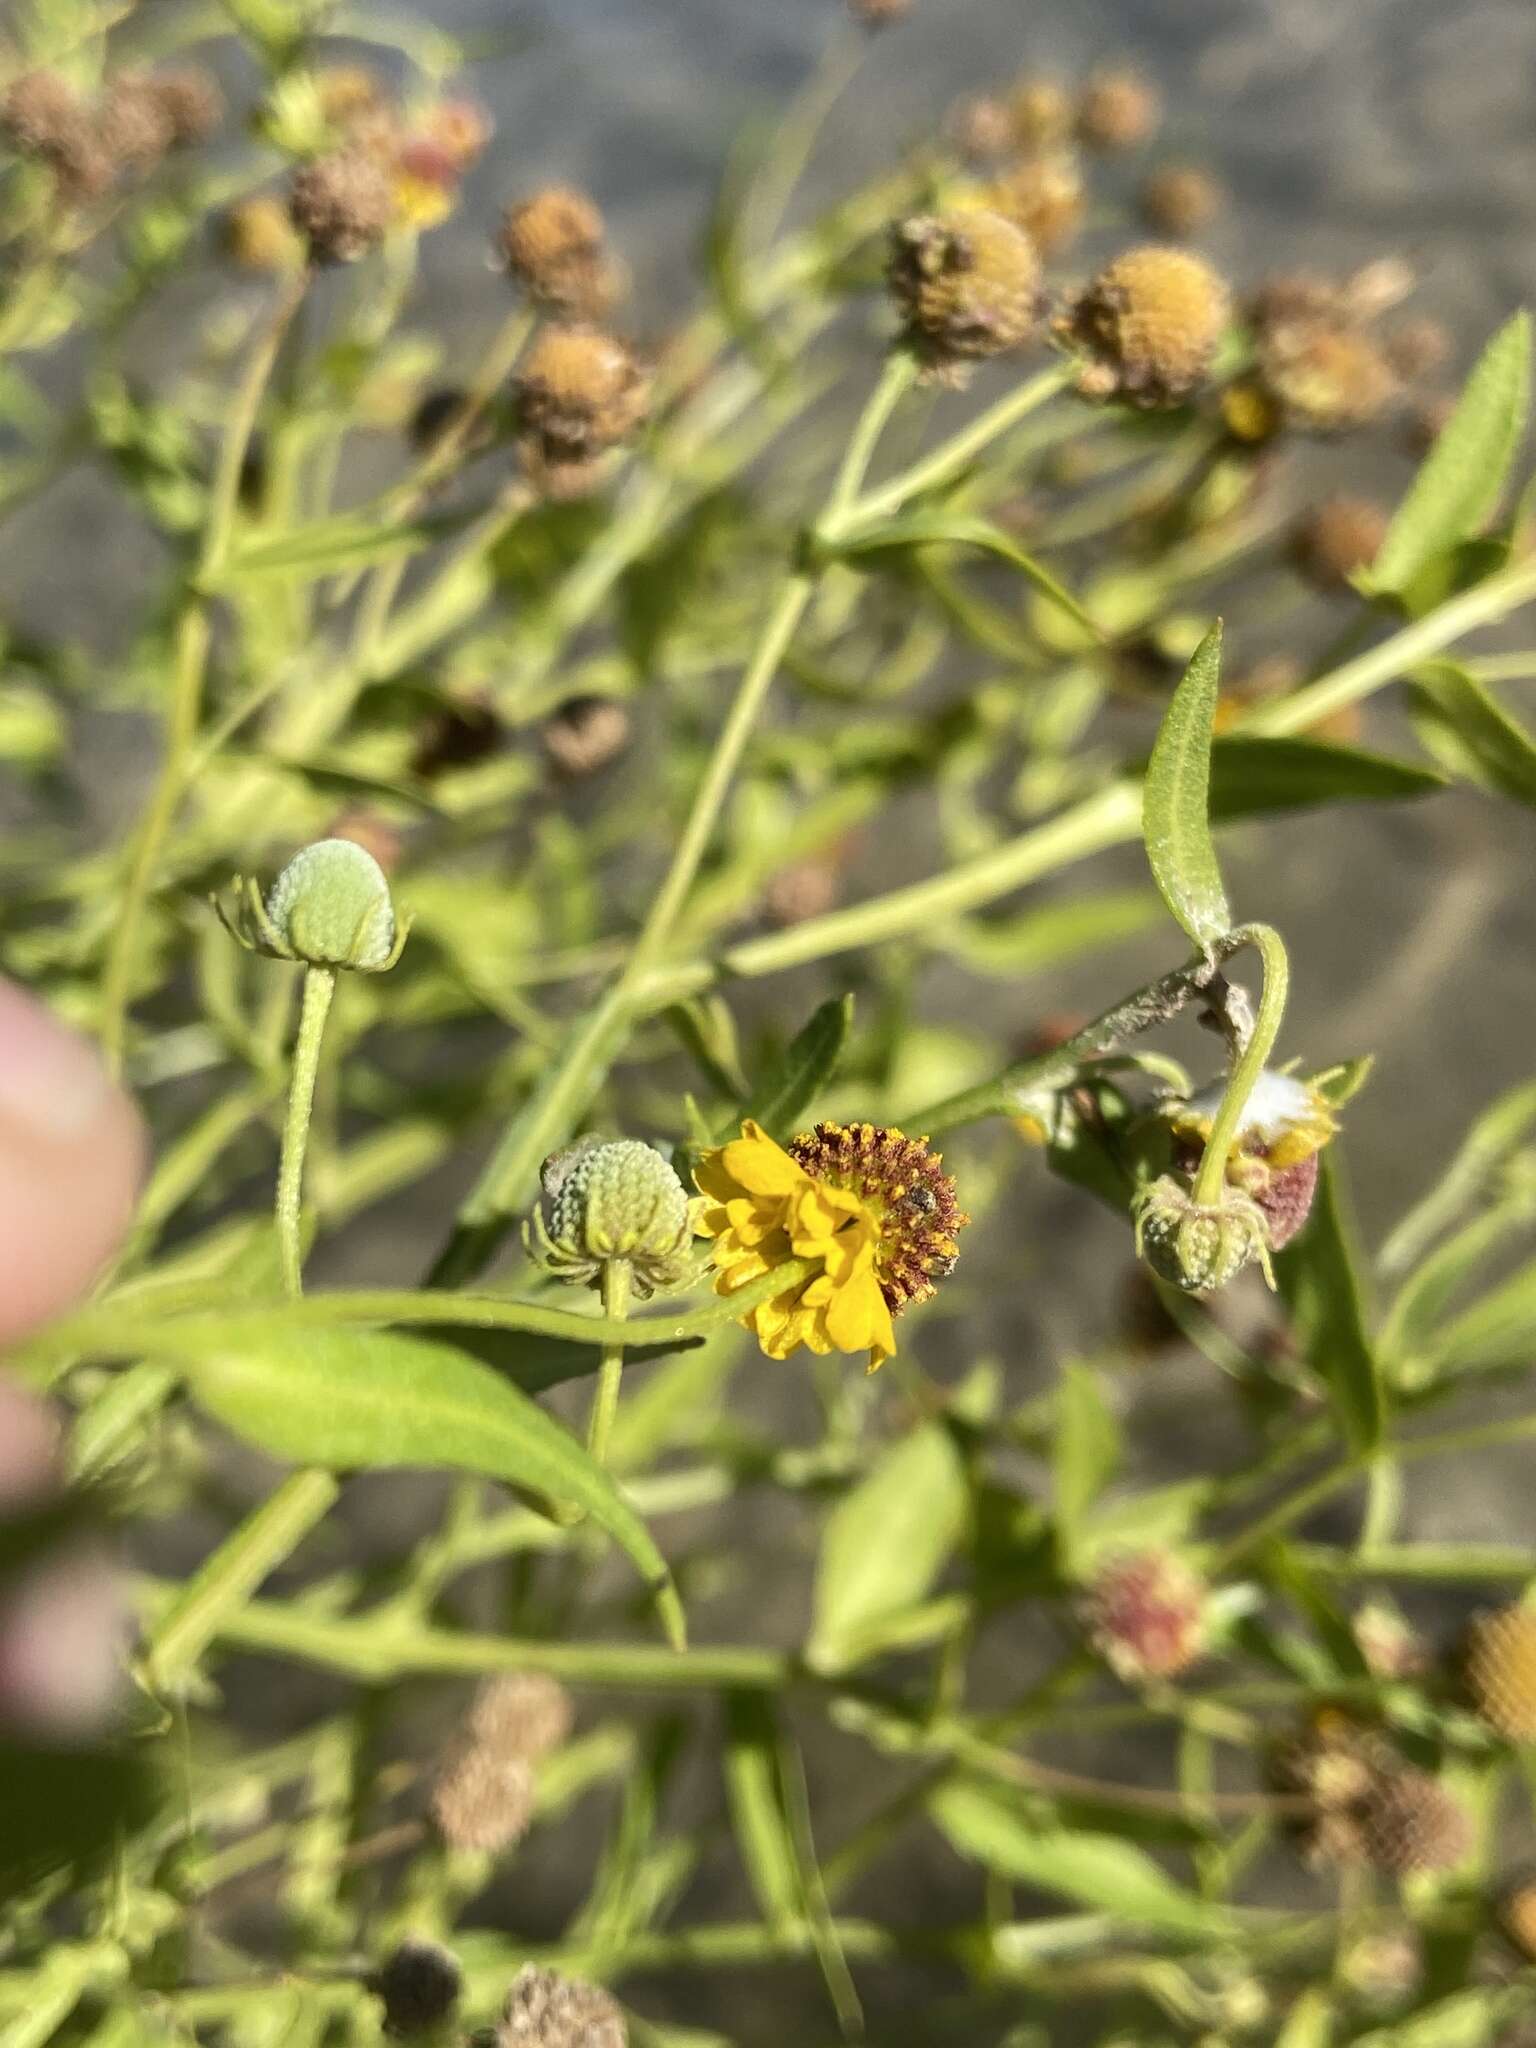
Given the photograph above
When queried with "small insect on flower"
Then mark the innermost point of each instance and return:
(330, 907)
(870, 1207)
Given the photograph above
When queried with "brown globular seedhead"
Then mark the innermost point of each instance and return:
(545, 2010)
(1499, 1664)
(879, 13)
(554, 244)
(418, 1984)
(983, 128)
(42, 116)
(580, 391)
(1411, 1823)
(522, 1714)
(1326, 376)
(1144, 1613)
(1042, 112)
(481, 1800)
(191, 103)
(1334, 540)
(1119, 110)
(136, 126)
(967, 284)
(1179, 200)
(342, 206)
(585, 735)
(1149, 325)
(1044, 195)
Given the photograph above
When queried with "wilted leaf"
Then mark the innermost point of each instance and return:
(886, 1542)
(1463, 476)
(1096, 1870)
(361, 1400)
(1175, 802)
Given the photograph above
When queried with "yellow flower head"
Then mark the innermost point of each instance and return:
(871, 1207)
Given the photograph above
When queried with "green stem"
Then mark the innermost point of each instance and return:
(605, 1402)
(952, 456)
(319, 987)
(193, 637)
(223, 1586)
(1250, 1063)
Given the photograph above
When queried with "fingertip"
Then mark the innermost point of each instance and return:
(72, 1153)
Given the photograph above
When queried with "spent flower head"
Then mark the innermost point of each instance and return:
(1149, 325)
(1144, 1613)
(967, 284)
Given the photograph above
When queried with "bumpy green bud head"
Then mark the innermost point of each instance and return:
(608, 1199)
(1199, 1246)
(330, 907)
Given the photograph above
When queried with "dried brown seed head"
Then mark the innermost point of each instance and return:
(546, 2010)
(342, 206)
(585, 734)
(1144, 1613)
(1150, 324)
(1326, 377)
(525, 1714)
(555, 245)
(348, 91)
(135, 125)
(1336, 538)
(983, 128)
(461, 734)
(879, 13)
(806, 888)
(419, 1985)
(1042, 112)
(581, 391)
(1419, 348)
(481, 1800)
(41, 115)
(1410, 1822)
(191, 102)
(1119, 110)
(1500, 1668)
(967, 284)
(1045, 196)
(1179, 200)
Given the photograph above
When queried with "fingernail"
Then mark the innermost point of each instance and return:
(52, 1083)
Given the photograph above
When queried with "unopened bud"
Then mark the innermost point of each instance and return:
(1196, 1246)
(609, 1199)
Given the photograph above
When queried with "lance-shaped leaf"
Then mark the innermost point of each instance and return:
(796, 1077)
(1462, 723)
(1463, 477)
(361, 1400)
(1176, 801)
(1318, 1279)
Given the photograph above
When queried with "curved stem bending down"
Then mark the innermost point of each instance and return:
(1249, 1063)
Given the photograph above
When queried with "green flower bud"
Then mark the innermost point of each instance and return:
(330, 907)
(608, 1199)
(1197, 1246)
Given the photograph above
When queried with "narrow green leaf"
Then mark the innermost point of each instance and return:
(1464, 725)
(961, 529)
(1096, 1870)
(1422, 1302)
(791, 1084)
(1175, 801)
(1471, 1175)
(359, 1400)
(1463, 477)
(1317, 1276)
(758, 1810)
(1496, 1332)
(1251, 775)
(1087, 1450)
(886, 1542)
(326, 545)
(1044, 937)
